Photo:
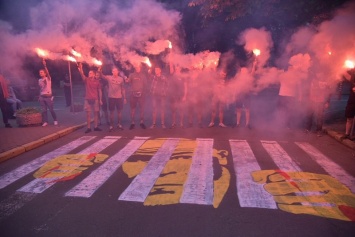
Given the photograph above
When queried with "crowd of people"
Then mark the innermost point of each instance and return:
(185, 92)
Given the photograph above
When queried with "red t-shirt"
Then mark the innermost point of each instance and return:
(92, 87)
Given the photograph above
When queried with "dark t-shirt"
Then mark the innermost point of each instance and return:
(351, 99)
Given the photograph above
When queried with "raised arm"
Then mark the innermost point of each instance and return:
(80, 68)
(46, 69)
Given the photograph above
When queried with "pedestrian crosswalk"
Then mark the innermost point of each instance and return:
(198, 181)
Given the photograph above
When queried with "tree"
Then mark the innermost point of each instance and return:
(295, 12)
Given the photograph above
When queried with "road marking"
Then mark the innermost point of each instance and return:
(250, 194)
(25, 169)
(140, 187)
(91, 183)
(328, 165)
(41, 184)
(198, 188)
(169, 186)
(280, 157)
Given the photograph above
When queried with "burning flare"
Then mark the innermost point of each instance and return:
(76, 54)
(170, 45)
(70, 58)
(42, 53)
(256, 52)
(349, 64)
(97, 62)
(147, 61)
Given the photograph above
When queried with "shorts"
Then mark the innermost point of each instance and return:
(158, 101)
(350, 111)
(91, 105)
(243, 103)
(134, 101)
(115, 103)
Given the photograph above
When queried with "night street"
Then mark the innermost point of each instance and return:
(166, 118)
(131, 183)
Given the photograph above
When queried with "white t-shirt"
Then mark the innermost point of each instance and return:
(115, 86)
(45, 86)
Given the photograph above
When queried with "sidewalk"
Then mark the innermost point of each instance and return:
(17, 140)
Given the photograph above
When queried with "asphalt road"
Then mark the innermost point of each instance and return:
(181, 182)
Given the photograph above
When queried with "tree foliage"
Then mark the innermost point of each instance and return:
(312, 11)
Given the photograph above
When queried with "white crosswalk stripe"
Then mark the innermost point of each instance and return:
(328, 165)
(250, 194)
(90, 184)
(198, 188)
(140, 187)
(199, 185)
(25, 169)
(39, 185)
(280, 157)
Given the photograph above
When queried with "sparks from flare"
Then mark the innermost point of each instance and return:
(75, 53)
(42, 53)
(147, 61)
(349, 64)
(70, 58)
(256, 52)
(97, 62)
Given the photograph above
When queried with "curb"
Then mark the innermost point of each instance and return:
(32, 145)
(337, 136)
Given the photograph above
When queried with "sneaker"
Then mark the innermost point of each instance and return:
(142, 126)
(8, 125)
(211, 125)
(119, 126)
(173, 125)
(88, 130)
(163, 126)
(248, 126)
(97, 129)
(181, 125)
(132, 126)
(190, 125)
(110, 129)
(55, 122)
(222, 125)
(153, 125)
(44, 124)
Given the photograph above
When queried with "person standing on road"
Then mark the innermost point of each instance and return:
(4, 94)
(116, 96)
(92, 98)
(104, 99)
(350, 107)
(319, 99)
(46, 97)
(159, 92)
(137, 95)
(177, 94)
(219, 101)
